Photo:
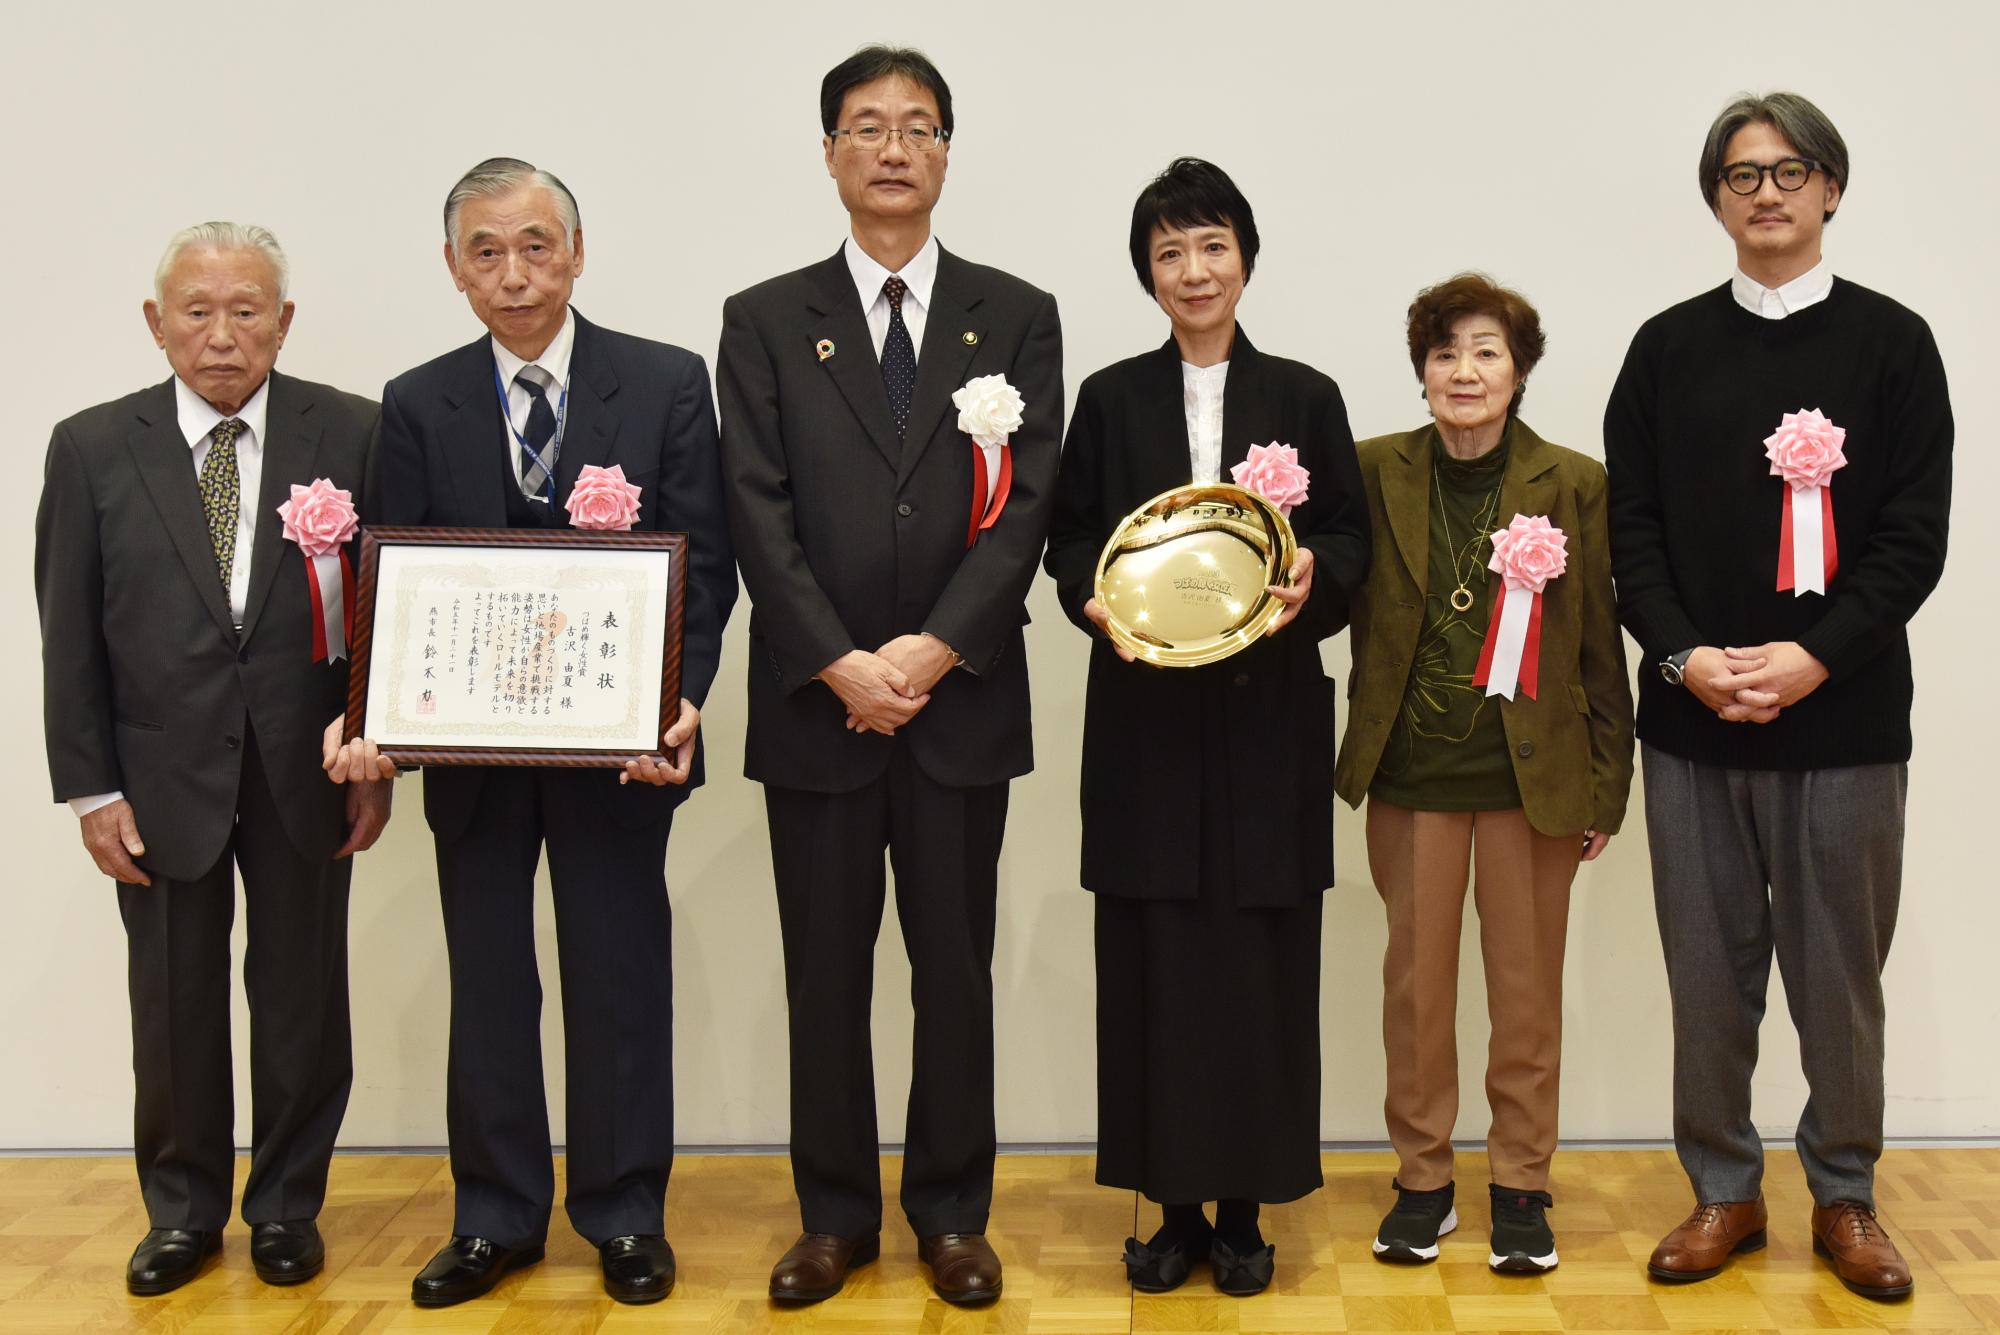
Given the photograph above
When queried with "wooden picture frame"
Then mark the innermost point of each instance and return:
(519, 599)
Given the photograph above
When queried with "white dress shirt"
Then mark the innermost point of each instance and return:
(1201, 393)
(198, 419)
(1775, 303)
(555, 361)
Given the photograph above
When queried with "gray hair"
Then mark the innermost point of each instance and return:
(224, 236)
(502, 176)
(1802, 124)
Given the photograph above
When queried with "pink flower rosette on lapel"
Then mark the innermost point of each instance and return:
(1273, 471)
(321, 520)
(603, 500)
(1806, 451)
(1527, 554)
(989, 411)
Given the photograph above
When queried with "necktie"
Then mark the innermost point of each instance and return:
(536, 466)
(219, 487)
(899, 355)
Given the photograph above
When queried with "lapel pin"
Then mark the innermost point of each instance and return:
(971, 339)
(824, 348)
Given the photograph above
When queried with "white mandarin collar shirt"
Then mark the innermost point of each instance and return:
(198, 419)
(1201, 391)
(920, 274)
(555, 361)
(1775, 303)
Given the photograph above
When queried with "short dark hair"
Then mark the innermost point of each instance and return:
(1804, 126)
(879, 62)
(1190, 193)
(1437, 309)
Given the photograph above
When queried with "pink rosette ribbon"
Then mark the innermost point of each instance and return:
(1806, 450)
(1273, 471)
(602, 499)
(321, 520)
(1528, 553)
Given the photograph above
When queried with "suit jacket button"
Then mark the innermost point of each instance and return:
(232, 742)
(1526, 749)
(1242, 679)
(242, 655)
(905, 510)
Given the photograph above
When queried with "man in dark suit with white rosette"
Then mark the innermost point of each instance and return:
(187, 554)
(890, 426)
(498, 434)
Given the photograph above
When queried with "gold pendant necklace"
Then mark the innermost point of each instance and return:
(1461, 597)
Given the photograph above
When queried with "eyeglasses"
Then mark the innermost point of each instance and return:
(1747, 178)
(872, 138)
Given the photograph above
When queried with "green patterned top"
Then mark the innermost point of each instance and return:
(1447, 750)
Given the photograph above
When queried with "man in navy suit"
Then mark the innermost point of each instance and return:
(493, 435)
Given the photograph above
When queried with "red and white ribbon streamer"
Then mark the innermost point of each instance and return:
(1807, 556)
(330, 582)
(1513, 649)
(985, 508)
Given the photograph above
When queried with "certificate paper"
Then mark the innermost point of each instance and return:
(520, 646)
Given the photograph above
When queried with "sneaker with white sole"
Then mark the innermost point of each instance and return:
(1409, 1234)
(1523, 1242)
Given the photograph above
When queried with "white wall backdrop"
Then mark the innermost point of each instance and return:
(1383, 147)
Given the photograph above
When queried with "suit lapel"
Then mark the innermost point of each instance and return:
(469, 435)
(291, 445)
(590, 428)
(942, 361)
(1528, 486)
(837, 319)
(165, 463)
(1406, 496)
(1245, 410)
(1166, 463)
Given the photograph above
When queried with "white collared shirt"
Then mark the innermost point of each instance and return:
(920, 275)
(1201, 391)
(555, 361)
(198, 419)
(1775, 303)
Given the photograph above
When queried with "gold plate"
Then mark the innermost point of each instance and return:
(1184, 576)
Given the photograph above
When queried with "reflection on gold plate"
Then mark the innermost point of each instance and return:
(1184, 577)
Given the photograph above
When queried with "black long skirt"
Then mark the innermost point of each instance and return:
(1208, 1034)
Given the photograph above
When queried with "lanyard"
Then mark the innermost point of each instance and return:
(555, 441)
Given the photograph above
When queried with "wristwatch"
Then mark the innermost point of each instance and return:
(1671, 666)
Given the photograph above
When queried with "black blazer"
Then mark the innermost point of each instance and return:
(1143, 785)
(147, 686)
(639, 404)
(849, 537)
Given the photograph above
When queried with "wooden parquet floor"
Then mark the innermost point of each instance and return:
(68, 1224)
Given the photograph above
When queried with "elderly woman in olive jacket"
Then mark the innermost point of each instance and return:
(1519, 788)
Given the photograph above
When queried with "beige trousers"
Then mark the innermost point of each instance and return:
(1521, 881)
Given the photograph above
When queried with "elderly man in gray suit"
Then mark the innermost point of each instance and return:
(189, 665)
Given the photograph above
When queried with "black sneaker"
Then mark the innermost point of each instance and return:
(1523, 1243)
(1410, 1233)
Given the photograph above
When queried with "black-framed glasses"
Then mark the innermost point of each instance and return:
(872, 138)
(1747, 178)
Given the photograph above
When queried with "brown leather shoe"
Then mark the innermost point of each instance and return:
(963, 1267)
(1848, 1234)
(1707, 1238)
(817, 1265)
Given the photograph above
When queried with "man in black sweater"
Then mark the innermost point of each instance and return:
(1780, 459)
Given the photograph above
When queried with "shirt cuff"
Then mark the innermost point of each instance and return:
(83, 806)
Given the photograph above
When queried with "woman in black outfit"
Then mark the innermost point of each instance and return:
(1207, 792)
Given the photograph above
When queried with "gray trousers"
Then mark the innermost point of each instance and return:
(1809, 862)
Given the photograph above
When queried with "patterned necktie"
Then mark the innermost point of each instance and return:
(535, 467)
(899, 355)
(219, 488)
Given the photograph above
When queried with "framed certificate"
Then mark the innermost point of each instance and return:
(516, 646)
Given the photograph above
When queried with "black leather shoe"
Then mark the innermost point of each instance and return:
(287, 1253)
(1244, 1275)
(1163, 1270)
(167, 1258)
(638, 1268)
(467, 1268)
